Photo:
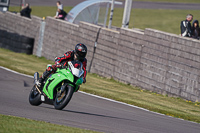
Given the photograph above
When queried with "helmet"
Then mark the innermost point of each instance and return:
(80, 51)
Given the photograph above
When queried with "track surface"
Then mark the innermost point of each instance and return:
(135, 4)
(85, 111)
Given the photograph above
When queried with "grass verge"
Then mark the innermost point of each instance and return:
(12, 124)
(109, 88)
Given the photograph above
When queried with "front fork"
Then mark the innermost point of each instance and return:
(64, 85)
(38, 89)
(62, 89)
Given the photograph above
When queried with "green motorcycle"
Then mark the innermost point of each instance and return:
(58, 87)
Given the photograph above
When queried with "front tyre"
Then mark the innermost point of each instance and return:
(63, 99)
(34, 97)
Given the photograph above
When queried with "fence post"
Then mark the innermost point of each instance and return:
(40, 38)
(111, 14)
(127, 12)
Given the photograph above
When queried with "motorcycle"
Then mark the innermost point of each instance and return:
(59, 87)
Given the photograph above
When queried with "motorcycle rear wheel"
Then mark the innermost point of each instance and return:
(34, 97)
(62, 100)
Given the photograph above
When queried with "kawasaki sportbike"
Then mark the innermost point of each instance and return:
(58, 87)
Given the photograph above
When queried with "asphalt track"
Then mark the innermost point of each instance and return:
(85, 111)
(135, 4)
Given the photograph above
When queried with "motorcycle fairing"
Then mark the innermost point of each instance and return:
(55, 79)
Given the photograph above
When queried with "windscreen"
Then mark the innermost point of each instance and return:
(76, 68)
(77, 64)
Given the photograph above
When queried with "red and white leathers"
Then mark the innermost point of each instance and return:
(68, 56)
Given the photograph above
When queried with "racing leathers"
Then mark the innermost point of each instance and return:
(63, 61)
(186, 29)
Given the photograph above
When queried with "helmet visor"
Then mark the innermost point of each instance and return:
(80, 55)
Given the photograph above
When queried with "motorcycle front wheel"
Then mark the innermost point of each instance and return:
(61, 100)
(34, 97)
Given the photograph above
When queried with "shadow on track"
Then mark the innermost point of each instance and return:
(90, 114)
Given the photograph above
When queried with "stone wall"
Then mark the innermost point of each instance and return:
(153, 60)
(128, 56)
(61, 36)
(22, 26)
(170, 64)
(15, 23)
(104, 58)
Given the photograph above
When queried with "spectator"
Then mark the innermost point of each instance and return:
(61, 14)
(186, 29)
(59, 6)
(195, 29)
(26, 11)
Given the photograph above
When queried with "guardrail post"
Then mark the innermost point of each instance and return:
(40, 38)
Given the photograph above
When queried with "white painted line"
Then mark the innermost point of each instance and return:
(133, 106)
(16, 72)
(105, 98)
(114, 101)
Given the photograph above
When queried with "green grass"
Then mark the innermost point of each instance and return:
(159, 19)
(109, 88)
(12, 124)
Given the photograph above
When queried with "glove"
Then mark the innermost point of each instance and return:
(58, 65)
(84, 80)
(57, 59)
(52, 68)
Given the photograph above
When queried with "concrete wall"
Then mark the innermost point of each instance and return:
(153, 60)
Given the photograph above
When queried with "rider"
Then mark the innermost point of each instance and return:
(78, 54)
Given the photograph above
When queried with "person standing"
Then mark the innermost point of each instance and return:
(59, 6)
(186, 29)
(61, 14)
(195, 29)
(26, 11)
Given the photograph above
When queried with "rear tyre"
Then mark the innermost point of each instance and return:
(61, 100)
(34, 97)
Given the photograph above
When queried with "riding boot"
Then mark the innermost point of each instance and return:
(42, 78)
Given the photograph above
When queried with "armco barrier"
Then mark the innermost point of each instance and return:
(153, 60)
